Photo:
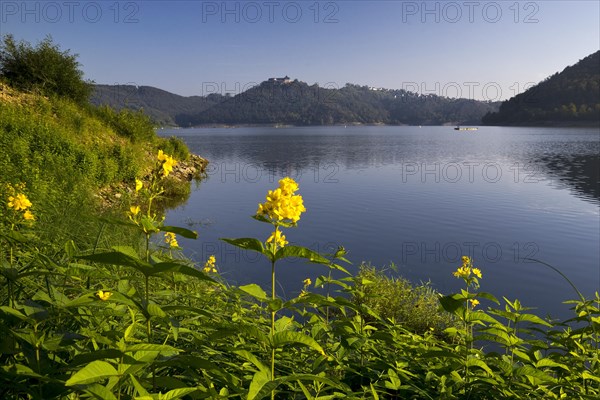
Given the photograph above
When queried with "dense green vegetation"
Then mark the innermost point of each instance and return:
(65, 151)
(88, 313)
(124, 323)
(296, 103)
(570, 97)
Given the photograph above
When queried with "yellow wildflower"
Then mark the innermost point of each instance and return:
(19, 202)
(282, 204)
(134, 210)
(210, 265)
(474, 302)
(307, 282)
(103, 295)
(477, 272)
(138, 185)
(161, 156)
(288, 186)
(171, 239)
(277, 238)
(462, 272)
(466, 260)
(28, 216)
(168, 165)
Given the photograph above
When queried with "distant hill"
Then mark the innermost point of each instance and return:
(160, 105)
(296, 103)
(571, 97)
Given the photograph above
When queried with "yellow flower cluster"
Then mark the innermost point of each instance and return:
(277, 238)
(307, 282)
(171, 239)
(282, 204)
(103, 294)
(474, 302)
(20, 202)
(167, 161)
(210, 265)
(466, 269)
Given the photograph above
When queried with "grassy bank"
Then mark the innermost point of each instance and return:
(66, 154)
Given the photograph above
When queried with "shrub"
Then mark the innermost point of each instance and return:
(176, 147)
(44, 68)
(414, 307)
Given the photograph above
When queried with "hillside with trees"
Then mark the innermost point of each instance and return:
(571, 97)
(160, 105)
(296, 103)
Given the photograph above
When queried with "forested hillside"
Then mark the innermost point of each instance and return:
(571, 97)
(296, 103)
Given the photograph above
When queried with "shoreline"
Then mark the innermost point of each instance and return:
(282, 126)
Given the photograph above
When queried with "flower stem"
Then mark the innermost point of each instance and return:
(272, 327)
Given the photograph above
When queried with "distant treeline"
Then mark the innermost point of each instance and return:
(296, 103)
(571, 97)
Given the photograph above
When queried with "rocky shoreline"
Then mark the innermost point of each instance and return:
(183, 171)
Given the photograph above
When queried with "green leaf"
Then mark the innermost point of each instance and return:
(481, 316)
(85, 358)
(534, 373)
(147, 347)
(587, 375)
(186, 233)
(14, 313)
(182, 269)
(453, 304)
(177, 393)
(154, 310)
(100, 392)
(253, 359)
(288, 337)
(21, 370)
(120, 258)
(546, 362)
(394, 382)
(300, 252)
(374, 392)
(93, 372)
(488, 296)
(81, 300)
(255, 291)
(138, 386)
(533, 319)
(261, 385)
(247, 244)
(475, 362)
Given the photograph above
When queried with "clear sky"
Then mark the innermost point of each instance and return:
(476, 49)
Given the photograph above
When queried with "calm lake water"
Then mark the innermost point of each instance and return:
(416, 197)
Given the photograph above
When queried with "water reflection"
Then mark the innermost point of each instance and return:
(523, 156)
(579, 172)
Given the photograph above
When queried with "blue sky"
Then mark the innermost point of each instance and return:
(476, 49)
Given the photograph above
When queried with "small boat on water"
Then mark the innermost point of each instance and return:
(467, 128)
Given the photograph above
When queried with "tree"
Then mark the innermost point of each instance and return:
(44, 68)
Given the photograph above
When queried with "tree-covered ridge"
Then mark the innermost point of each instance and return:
(160, 105)
(569, 97)
(296, 103)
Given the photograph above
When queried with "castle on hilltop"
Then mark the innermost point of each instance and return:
(284, 80)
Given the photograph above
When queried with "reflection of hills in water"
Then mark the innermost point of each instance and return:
(570, 161)
(580, 172)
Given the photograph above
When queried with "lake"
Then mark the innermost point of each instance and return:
(416, 197)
